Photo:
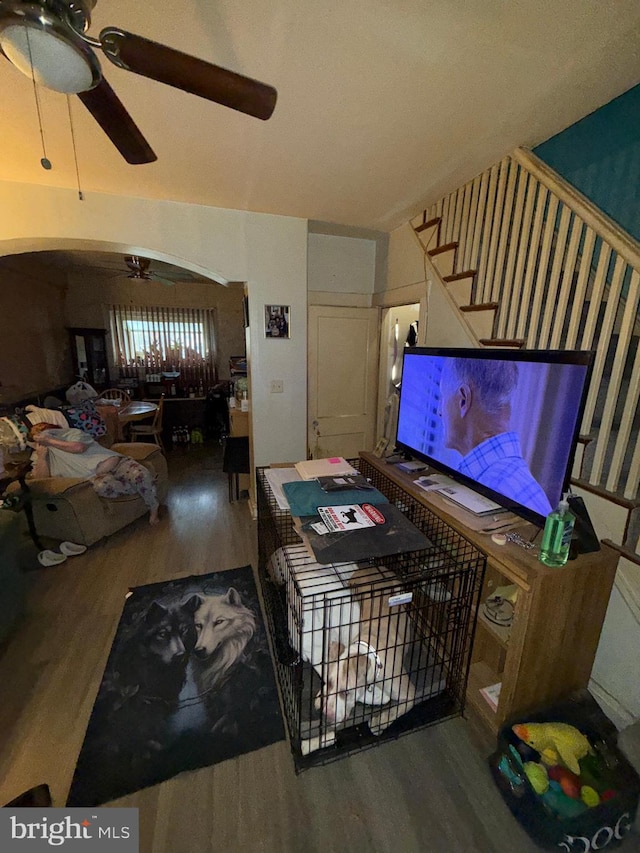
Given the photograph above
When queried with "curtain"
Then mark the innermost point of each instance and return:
(153, 340)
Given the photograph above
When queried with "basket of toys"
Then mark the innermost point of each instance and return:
(564, 779)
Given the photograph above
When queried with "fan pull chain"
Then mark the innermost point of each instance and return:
(44, 161)
(75, 153)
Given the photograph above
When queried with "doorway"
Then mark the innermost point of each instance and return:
(400, 327)
(342, 371)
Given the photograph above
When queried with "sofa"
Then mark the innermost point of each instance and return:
(66, 508)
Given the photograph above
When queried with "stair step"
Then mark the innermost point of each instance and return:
(435, 221)
(461, 291)
(444, 259)
(428, 233)
(446, 247)
(481, 318)
(480, 306)
(456, 276)
(515, 343)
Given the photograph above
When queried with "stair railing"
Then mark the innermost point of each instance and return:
(565, 277)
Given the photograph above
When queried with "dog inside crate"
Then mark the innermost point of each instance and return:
(359, 653)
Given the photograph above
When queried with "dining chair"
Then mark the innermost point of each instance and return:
(152, 430)
(116, 394)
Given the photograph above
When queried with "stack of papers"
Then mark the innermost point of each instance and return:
(351, 521)
(310, 469)
(277, 477)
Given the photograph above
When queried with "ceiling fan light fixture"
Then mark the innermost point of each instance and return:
(44, 49)
(48, 41)
(138, 266)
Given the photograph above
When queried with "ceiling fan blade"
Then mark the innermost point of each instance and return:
(107, 109)
(188, 73)
(155, 277)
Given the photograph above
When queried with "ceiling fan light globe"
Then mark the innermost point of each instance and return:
(59, 62)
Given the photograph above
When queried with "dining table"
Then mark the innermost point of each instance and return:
(119, 416)
(136, 410)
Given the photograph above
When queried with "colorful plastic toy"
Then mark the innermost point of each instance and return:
(557, 802)
(569, 782)
(589, 796)
(537, 776)
(570, 744)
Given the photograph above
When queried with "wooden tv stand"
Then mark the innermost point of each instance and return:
(548, 650)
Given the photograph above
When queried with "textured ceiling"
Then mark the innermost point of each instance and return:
(383, 105)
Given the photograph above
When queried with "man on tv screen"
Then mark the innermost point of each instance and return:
(475, 407)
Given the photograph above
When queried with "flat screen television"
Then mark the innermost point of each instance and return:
(504, 422)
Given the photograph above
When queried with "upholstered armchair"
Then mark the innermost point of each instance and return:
(67, 508)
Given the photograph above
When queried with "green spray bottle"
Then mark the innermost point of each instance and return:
(556, 537)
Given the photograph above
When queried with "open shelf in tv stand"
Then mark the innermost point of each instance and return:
(549, 649)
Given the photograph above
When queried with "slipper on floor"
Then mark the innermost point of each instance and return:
(70, 549)
(50, 558)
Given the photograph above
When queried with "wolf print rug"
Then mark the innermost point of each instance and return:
(188, 683)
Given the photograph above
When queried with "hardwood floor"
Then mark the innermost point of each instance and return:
(428, 791)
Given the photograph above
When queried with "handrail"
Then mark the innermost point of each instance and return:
(627, 553)
(618, 239)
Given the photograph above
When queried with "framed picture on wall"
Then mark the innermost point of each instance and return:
(276, 321)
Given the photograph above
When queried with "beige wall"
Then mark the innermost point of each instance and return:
(406, 279)
(342, 270)
(89, 300)
(34, 342)
(341, 264)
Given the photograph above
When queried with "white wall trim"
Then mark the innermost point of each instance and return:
(407, 295)
(616, 712)
(340, 300)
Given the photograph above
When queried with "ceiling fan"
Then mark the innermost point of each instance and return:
(47, 41)
(139, 269)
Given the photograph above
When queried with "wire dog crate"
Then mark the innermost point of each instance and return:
(367, 651)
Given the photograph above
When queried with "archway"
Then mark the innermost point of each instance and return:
(29, 245)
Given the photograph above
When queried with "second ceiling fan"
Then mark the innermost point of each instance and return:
(139, 268)
(47, 41)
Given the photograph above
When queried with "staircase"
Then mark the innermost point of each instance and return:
(527, 262)
(480, 316)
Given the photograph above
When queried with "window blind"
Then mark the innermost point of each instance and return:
(156, 340)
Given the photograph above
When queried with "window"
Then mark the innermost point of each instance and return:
(157, 340)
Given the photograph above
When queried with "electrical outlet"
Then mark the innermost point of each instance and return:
(277, 386)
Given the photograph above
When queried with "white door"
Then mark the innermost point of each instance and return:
(343, 375)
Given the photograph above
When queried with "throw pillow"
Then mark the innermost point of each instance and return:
(85, 416)
(38, 415)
